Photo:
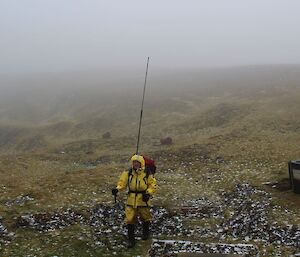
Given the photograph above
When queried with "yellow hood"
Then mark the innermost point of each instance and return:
(140, 159)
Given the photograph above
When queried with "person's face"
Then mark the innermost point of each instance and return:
(136, 165)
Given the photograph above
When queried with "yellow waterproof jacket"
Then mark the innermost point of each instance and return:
(137, 182)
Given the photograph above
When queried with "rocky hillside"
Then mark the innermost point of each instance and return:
(223, 182)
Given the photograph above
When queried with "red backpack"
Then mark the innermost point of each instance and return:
(150, 167)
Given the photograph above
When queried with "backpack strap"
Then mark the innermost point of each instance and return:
(129, 176)
(147, 171)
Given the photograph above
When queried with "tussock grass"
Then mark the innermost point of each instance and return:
(223, 136)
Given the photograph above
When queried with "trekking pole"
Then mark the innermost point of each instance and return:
(115, 199)
(141, 114)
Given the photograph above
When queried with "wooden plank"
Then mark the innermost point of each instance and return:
(208, 255)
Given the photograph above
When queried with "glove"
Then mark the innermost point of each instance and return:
(146, 197)
(114, 191)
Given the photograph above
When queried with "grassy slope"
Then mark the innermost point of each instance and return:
(247, 118)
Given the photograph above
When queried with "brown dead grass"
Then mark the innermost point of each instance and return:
(220, 139)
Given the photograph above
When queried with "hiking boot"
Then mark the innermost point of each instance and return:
(131, 239)
(146, 225)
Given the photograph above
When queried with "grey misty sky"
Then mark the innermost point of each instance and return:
(66, 35)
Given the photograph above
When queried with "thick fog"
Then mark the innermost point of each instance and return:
(92, 35)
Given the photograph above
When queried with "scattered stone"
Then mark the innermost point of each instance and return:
(3, 230)
(5, 235)
(49, 221)
(20, 200)
(250, 218)
(241, 215)
(172, 248)
(201, 208)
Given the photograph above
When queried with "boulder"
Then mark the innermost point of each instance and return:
(166, 141)
(106, 135)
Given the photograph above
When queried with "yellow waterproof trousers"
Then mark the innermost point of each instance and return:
(131, 214)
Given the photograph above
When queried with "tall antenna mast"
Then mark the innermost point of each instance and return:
(141, 115)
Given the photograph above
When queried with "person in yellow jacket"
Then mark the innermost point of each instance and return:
(141, 186)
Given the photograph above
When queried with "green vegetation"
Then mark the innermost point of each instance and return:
(239, 127)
